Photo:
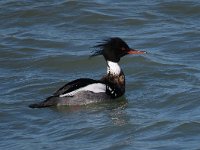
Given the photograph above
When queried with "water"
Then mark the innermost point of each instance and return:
(43, 45)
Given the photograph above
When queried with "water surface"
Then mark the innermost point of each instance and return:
(43, 45)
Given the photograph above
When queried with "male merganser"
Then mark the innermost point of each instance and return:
(84, 90)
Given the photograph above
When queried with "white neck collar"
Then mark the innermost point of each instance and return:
(113, 68)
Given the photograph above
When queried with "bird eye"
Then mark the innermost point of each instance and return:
(123, 49)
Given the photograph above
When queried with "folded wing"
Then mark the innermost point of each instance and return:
(83, 84)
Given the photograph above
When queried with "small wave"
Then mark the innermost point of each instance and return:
(187, 8)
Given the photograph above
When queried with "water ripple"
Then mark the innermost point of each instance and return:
(43, 45)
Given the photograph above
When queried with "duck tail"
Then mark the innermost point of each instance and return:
(50, 101)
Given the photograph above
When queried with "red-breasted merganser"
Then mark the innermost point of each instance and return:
(84, 90)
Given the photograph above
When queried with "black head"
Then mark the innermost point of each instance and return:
(113, 49)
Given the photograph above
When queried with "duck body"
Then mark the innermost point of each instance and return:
(85, 91)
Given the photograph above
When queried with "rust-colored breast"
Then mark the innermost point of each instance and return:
(115, 84)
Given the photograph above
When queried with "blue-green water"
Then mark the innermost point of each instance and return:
(44, 45)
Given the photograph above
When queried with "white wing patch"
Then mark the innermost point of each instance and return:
(95, 87)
